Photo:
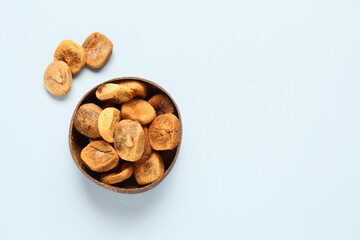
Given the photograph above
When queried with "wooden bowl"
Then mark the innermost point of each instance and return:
(78, 141)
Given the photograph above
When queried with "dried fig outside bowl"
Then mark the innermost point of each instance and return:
(77, 142)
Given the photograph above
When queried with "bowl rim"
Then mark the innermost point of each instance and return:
(114, 188)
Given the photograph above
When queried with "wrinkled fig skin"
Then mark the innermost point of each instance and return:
(71, 53)
(98, 49)
(164, 132)
(150, 170)
(58, 78)
(119, 174)
(147, 147)
(140, 88)
(107, 121)
(86, 120)
(162, 104)
(129, 140)
(99, 156)
(138, 110)
(114, 93)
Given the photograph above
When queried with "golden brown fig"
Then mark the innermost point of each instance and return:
(162, 104)
(114, 93)
(99, 156)
(107, 121)
(71, 53)
(98, 49)
(140, 88)
(86, 120)
(122, 172)
(147, 147)
(150, 170)
(164, 132)
(129, 140)
(58, 78)
(138, 110)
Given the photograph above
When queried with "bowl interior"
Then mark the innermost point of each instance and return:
(78, 141)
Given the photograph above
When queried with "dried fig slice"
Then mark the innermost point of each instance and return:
(86, 120)
(138, 110)
(98, 49)
(150, 170)
(58, 78)
(99, 156)
(164, 132)
(147, 147)
(122, 172)
(114, 93)
(107, 121)
(140, 88)
(129, 140)
(162, 104)
(71, 53)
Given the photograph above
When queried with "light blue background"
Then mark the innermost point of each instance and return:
(269, 95)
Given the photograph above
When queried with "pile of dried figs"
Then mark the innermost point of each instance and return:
(127, 131)
(70, 58)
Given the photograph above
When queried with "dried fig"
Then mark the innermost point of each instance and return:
(138, 110)
(114, 93)
(71, 53)
(86, 120)
(107, 121)
(162, 104)
(58, 78)
(129, 140)
(98, 49)
(99, 156)
(150, 170)
(122, 172)
(164, 132)
(147, 147)
(140, 88)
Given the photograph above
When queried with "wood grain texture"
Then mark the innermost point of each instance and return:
(77, 142)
